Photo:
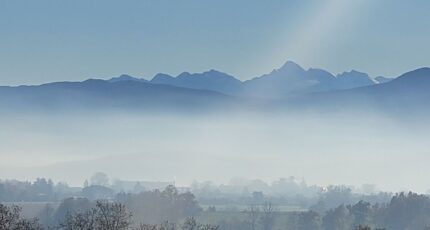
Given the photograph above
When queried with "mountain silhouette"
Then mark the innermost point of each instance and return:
(125, 77)
(291, 79)
(100, 94)
(353, 79)
(290, 86)
(210, 80)
(382, 79)
(407, 93)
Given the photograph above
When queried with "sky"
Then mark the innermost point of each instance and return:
(48, 40)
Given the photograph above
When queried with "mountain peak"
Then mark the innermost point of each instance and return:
(289, 68)
(353, 73)
(218, 74)
(183, 75)
(290, 65)
(353, 79)
(125, 77)
(162, 78)
(213, 71)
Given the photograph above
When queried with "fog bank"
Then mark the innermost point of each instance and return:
(321, 148)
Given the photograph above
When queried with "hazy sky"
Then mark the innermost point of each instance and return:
(42, 41)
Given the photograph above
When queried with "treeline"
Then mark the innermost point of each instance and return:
(163, 210)
(39, 190)
(150, 207)
(10, 219)
(156, 206)
(283, 192)
(405, 211)
(44, 190)
(103, 216)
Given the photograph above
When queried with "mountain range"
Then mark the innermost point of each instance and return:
(290, 86)
(289, 80)
(406, 94)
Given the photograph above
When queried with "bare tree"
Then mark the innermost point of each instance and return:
(10, 219)
(112, 216)
(208, 227)
(190, 223)
(147, 227)
(105, 216)
(24, 224)
(267, 218)
(253, 213)
(363, 227)
(164, 226)
(80, 221)
(99, 178)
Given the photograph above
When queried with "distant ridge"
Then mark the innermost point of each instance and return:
(289, 87)
(289, 80)
(381, 79)
(210, 80)
(409, 93)
(96, 94)
(125, 77)
(353, 79)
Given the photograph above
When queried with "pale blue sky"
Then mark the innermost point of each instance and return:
(51, 40)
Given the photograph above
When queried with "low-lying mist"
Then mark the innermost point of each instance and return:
(323, 149)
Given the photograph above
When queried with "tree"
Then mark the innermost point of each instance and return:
(253, 213)
(338, 219)
(46, 215)
(309, 221)
(42, 189)
(208, 227)
(267, 219)
(156, 206)
(112, 216)
(362, 212)
(10, 219)
(163, 226)
(100, 178)
(71, 206)
(104, 216)
(86, 184)
(403, 210)
(98, 192)
(363, 227)
(80, 221)
(190, 223)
